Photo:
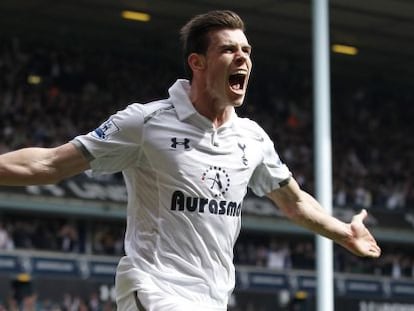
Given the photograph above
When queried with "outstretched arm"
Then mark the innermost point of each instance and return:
(34, 166)
(304, 210)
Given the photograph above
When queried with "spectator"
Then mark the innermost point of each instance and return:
(6, 242)
(278, 256)
(69, 238)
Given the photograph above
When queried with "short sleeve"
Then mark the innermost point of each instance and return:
(271, 173)
(115, 144)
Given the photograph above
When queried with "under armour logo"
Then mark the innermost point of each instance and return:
(185, 143)
(243, 147)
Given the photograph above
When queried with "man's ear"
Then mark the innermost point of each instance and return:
(197, 62)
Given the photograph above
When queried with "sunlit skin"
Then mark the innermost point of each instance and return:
(211, 93)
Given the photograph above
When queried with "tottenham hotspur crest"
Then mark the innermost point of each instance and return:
(243, 149)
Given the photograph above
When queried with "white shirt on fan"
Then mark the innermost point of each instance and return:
(186, 182)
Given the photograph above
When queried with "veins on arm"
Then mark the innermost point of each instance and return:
(30, 166)
(304, 210)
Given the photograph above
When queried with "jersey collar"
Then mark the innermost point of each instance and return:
(179, 95)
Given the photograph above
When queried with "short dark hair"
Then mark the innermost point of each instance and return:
(194, 34)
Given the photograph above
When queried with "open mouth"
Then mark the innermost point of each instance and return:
(237, 81)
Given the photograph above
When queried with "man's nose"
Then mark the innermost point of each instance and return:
(240, 57)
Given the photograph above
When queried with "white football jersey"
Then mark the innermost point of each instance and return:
(186, 181)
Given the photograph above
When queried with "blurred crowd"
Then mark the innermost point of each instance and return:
(61, 235)
(282, 253)
(68, 302)
(278, 252)
(51, 93)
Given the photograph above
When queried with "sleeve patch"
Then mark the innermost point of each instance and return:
(106, 129)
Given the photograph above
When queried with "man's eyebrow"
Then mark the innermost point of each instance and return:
(230, 44)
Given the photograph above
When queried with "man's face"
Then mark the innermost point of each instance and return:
(228, 66)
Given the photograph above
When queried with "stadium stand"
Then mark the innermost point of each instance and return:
(49, 94)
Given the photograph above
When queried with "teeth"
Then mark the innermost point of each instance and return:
(241, 72)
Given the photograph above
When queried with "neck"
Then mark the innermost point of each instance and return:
(208, 106)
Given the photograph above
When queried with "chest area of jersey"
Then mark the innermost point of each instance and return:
(217, 161)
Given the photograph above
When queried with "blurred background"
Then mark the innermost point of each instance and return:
(65, 66)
